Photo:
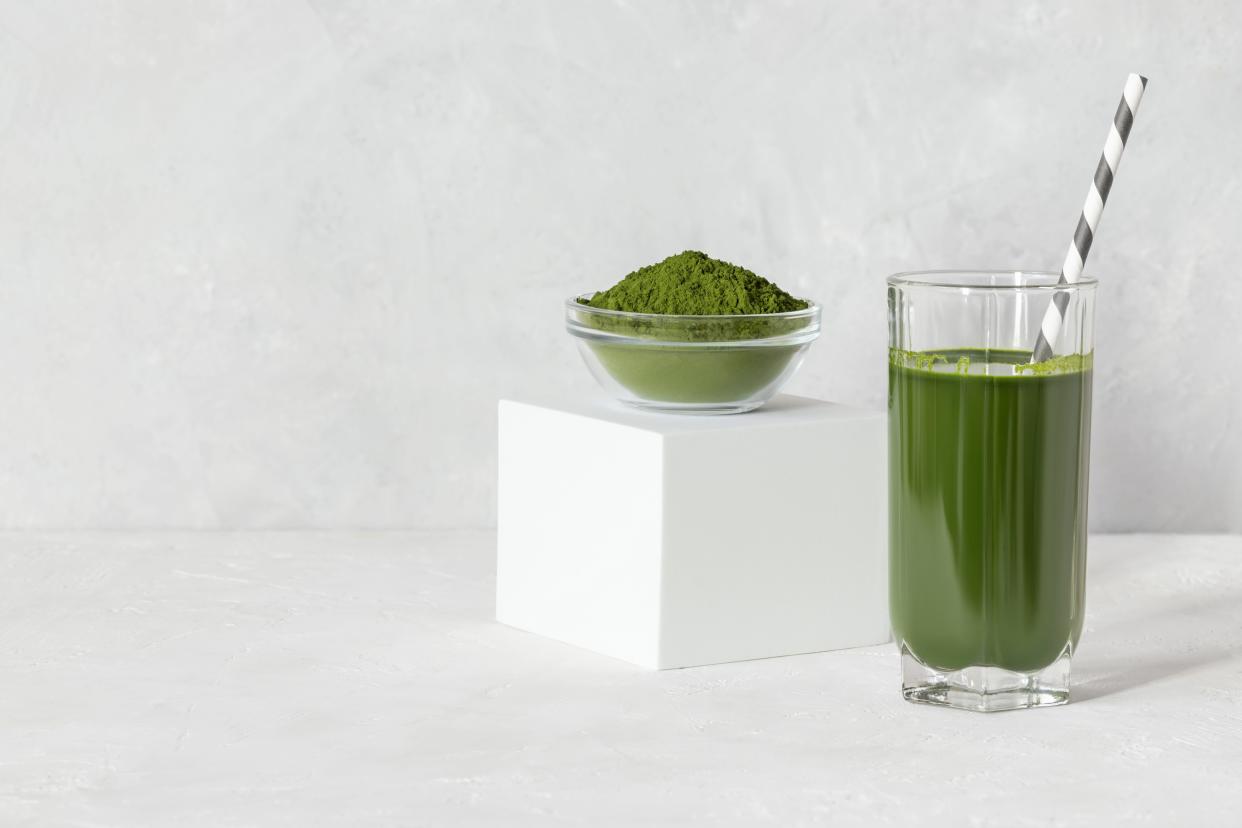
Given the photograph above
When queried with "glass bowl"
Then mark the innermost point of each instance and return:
(719, 364)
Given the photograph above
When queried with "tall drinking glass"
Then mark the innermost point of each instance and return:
(988, 458)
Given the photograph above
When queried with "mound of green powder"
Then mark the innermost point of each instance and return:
(694, 299)
(695, 283)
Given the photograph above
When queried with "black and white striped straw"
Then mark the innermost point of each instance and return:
(1080, 246)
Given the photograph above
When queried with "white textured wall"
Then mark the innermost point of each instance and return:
(271, 263)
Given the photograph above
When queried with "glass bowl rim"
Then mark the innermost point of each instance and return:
(811, 310)
(920, 278)
(805, 330)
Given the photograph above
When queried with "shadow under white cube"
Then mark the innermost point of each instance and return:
(674, 540)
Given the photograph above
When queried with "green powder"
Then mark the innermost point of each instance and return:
(693, 283)
(694, 300)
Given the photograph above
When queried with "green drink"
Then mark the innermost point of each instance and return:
(988, 524)
(988, 470)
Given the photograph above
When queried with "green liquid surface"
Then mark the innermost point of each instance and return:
(987, 506)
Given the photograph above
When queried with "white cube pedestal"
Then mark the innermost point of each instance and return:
(671, 540)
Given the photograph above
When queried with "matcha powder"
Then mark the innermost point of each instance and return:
(694, 283)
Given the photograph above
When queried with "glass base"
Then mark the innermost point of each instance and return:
(985, 689)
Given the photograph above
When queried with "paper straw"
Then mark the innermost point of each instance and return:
(1089, 220)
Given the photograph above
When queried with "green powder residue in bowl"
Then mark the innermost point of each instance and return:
(694, 283)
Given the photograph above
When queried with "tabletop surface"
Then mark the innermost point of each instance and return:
(358, 679)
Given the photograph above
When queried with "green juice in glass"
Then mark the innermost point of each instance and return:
(988, 506)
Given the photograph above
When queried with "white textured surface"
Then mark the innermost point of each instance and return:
(300, 679)
(269, 264)
(673, 541)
